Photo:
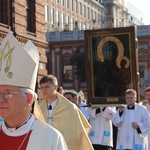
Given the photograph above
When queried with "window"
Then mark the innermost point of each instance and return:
(67, 20)
(95, 15)
(141, 69)
(31, 16)
(143, 56)
(80, 26)
(67, 72)
(52, 16)
(84, 11)
(84, 26)
(67, 4)
(72, 24)
(99, 17)
(67, 67)
(67, 23)
(76, 6)
(88, 13)
(62, 19)
(4, 12)
(102, 19)
(72, 5)
(62, 3)
(80, 8)
(57, 17)
(92, 14)
(46, 13)
(1, 10)
(76, 25)
(143, 46)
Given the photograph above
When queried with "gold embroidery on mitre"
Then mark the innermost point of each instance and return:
(6, 55)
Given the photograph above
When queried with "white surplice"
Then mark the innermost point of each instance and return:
(129, 138)
(84, 110)
(101, 132)
(43, 136)
(148, 107)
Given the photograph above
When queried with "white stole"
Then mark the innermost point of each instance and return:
(129, 137)
(107, 125)
(101, 132)
(137, 118)
(107, 132)
(148, 108)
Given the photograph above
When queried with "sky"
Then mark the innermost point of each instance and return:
(144, 7)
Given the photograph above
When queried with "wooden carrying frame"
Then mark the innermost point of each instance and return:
(111, 65)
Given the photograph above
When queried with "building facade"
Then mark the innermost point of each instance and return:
(82, 15)
(64, 15)
(74, 14)
(62, 47)
(117, 14)
(26, 19)
(144, 57)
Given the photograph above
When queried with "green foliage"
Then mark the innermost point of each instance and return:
(78, 60)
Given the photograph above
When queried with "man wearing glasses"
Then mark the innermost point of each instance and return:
(64, 115)
(20, 130)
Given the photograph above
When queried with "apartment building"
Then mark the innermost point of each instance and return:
(69, 15)
(117, 14)
(64, 15)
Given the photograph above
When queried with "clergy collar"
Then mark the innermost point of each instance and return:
(23, 129)
(53, 104)
(131, 107)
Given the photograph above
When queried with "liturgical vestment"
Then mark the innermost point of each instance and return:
(68, 119)
(42, 137)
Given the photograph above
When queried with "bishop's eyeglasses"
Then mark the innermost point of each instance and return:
(8, 95)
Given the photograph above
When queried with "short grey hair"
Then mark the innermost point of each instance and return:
(27, 90)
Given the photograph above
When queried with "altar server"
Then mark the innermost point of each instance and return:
(133, 122)
(101, 134)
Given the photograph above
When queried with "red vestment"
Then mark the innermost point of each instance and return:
(13, 142)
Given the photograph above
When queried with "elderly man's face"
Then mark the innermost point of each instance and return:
(12, 103)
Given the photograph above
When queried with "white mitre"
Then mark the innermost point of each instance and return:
(18, 65)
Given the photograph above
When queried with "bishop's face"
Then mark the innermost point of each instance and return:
(12, 103)
(130, 99)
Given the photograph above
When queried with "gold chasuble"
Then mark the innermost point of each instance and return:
(68, 119)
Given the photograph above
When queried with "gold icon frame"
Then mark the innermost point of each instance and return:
(111, 65)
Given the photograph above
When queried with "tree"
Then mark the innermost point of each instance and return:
(78, 60)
